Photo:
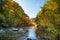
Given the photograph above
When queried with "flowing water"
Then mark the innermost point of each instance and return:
(31, 34)
(21, 34)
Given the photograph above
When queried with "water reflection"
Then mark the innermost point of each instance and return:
(17, 34)
(31, 34)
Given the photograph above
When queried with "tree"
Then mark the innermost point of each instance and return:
(12, 12)
(48, 18)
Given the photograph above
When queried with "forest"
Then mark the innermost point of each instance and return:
(47, 20)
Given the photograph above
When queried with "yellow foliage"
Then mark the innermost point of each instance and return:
(51, 5)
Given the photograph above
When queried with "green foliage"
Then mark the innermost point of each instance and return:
(11, 13)
(49, 18)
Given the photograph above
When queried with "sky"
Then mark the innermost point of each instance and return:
(31, 7)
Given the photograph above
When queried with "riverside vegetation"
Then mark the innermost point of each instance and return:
(13, 16)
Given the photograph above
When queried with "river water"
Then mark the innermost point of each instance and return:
(31, 34)
(18, 34)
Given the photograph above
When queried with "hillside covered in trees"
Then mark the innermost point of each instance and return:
(48, 20)
(11, 14)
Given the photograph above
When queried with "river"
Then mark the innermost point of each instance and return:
(17, 34)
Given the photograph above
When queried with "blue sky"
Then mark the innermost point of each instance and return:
(31, 7)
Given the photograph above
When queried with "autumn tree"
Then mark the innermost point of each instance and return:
(49, 18)
(12, 13)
